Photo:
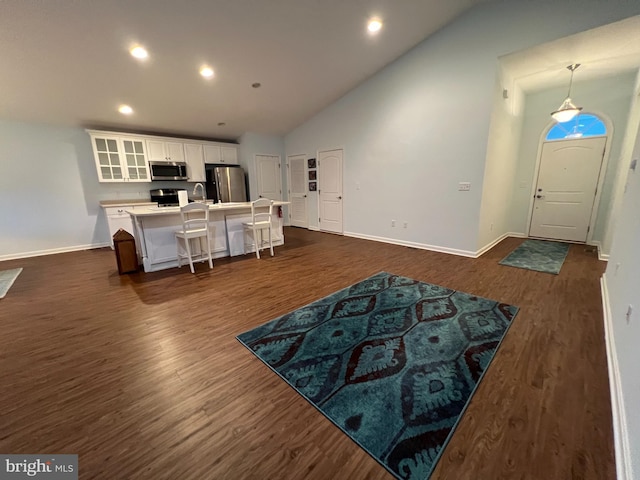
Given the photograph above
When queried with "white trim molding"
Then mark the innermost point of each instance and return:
(435, 248)
(619, 418)
(492, 244)
(601, 256)
(52, 251)
(422, 246)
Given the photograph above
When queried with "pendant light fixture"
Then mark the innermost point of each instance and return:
(567, 110)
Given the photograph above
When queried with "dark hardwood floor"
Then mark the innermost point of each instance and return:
(141, 375)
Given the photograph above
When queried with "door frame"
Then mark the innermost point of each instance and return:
(601, 176)
(343, 182)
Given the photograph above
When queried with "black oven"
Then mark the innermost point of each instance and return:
(168, 171)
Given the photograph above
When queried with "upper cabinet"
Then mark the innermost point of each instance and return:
(125, 157)
(194, 156)
(221, 154)
(119, 159)
(165, 151)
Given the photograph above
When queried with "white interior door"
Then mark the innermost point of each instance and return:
(566, 188)
(298, 191)
(268, 172)
(330, 190)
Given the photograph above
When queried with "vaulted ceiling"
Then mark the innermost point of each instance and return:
(67, 62)
(601, 52)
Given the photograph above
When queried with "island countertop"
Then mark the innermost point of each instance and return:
(123, 202)
(155, 228)
(229, 206)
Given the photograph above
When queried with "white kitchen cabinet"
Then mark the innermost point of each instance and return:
(125, 157)
(118, 218)
(120, 158)
(165, 151)
(194, 156)
(229, 154)
(240, 239)
(221, 154)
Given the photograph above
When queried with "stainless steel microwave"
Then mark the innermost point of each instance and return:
(168, 170)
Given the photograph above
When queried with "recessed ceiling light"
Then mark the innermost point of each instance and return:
(206, 71)
(139, 52)
(374, 25)
(256, 85)
(125, 109)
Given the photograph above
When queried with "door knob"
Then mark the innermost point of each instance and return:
(305, 196)
(339, 198)
(539, 196)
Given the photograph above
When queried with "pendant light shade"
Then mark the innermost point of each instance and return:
(567, 110)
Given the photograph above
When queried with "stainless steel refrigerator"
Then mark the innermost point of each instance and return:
(226, 183)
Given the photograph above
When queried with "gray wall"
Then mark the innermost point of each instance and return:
(49, 190)
(252, 144)
(609, 96)
(410, 133)
(419, 126)
(623, 282)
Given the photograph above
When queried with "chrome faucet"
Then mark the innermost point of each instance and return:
(195, 188)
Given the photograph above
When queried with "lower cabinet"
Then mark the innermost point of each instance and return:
(241, 240)
(118, 218)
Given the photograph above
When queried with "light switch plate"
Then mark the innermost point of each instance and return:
(464, 186)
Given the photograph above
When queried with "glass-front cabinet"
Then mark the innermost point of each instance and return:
(120, 158)
(137, 166)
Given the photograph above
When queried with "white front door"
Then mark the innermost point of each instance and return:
(297, 191)
(330, 190)
(566, 188)
(268, 170)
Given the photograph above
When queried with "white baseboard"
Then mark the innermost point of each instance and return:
(315, 229)
(51, 251)
(422, 246)
(619, 418)
(492, 244)
(601, 256)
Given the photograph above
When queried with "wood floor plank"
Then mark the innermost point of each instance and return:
(142, 376)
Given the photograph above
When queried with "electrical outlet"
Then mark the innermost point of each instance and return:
(491, 229)
(393, 223)
(464, 186)
(405, 224)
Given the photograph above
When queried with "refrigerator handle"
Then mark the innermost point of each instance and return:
(217, 175)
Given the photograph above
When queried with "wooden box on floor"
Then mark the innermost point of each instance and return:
(125, 246)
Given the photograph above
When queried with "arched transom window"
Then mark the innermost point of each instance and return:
(581, 126)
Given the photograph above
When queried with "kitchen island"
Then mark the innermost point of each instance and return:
(155, 227)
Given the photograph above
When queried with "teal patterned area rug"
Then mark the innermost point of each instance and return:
(7, 277)
(538, 255)
(391, 361)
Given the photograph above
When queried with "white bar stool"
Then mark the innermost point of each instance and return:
(195, 224)
(260, 221)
